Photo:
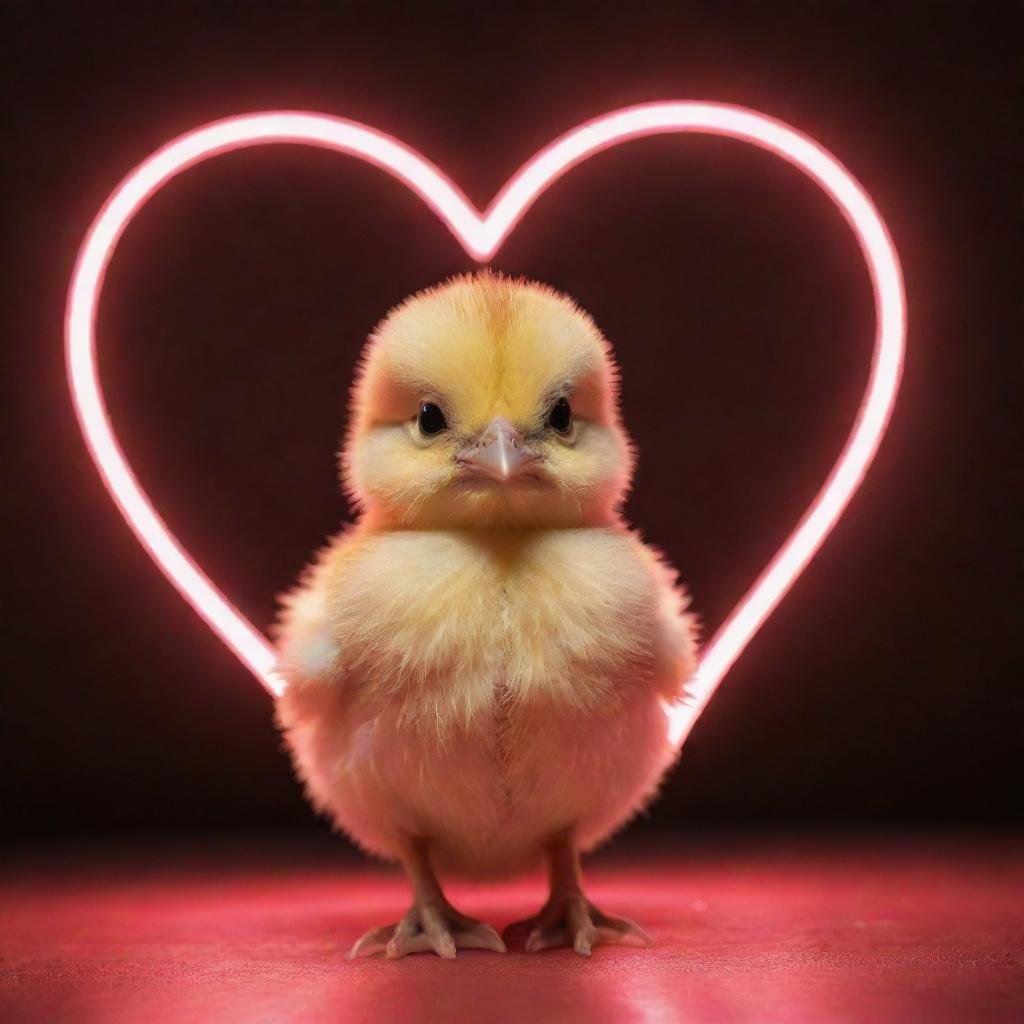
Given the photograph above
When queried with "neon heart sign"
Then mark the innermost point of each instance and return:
(481, 235)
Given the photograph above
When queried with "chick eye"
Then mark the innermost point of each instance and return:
(560, 417)
(430, 418)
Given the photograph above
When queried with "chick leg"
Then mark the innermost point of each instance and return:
(569, 918)
(431, 923)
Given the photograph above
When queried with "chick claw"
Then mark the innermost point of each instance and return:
(572, 920)
(428, 927)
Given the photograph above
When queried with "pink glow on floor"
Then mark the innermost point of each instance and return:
(883, 933)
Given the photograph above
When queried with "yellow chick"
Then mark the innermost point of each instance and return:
(477, 669)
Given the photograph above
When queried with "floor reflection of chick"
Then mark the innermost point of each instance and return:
(477, 669)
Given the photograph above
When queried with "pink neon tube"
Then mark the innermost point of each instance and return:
(481, 235)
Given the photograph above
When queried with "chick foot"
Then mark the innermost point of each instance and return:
(572, 920)
(428, 927)
(431, 924)
(569, 918)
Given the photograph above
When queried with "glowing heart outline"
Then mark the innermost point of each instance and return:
(481, 235)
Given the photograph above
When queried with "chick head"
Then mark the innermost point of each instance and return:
(485, 402)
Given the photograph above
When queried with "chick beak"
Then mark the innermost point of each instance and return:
(500, 453)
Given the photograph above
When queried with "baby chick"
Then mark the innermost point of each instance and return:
(477, 669)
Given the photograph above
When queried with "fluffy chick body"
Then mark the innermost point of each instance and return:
(497, 689)
(483, 667)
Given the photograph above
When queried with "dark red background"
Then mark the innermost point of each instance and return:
(886, 689)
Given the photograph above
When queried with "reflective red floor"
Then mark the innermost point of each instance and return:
(876, 931)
